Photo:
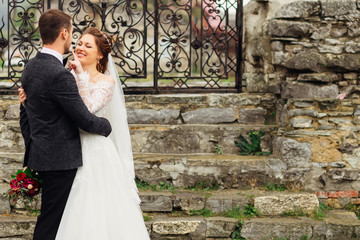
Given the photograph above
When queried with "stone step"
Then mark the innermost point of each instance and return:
(224, 171)
(187, 170)
(268, 203)
(337, 225)
(242, 108)
(150, 138)
(213, 108)
(194, 138)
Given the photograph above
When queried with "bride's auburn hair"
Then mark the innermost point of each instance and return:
(104, 44)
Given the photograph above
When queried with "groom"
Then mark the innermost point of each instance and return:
(51, 118)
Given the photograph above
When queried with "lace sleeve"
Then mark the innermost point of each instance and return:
(96, 98)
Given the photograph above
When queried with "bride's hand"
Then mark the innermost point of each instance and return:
(22, 95)
(75, 64)
(341, 96)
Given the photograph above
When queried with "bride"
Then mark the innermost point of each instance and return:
(103, 202)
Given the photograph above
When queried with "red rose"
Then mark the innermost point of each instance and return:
(21, 176)
(32, 186)
(15, 185)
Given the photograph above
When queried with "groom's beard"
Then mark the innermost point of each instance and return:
(67, 46)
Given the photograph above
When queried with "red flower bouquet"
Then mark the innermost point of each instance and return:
(25, 185)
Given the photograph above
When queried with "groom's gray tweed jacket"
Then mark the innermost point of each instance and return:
(53, 114)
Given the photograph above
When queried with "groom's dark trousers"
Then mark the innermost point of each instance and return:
(50, 122)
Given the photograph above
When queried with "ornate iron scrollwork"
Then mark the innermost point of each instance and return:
(179, 43)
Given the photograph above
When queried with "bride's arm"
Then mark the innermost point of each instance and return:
(99, 96)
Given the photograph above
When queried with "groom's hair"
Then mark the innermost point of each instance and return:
(51, 23)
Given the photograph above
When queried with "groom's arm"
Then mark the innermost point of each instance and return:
(25, 129)
(65, 92)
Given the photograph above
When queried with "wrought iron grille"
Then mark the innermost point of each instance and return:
(160, 45)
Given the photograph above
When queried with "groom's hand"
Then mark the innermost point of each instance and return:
(75, 64)
(22, 95)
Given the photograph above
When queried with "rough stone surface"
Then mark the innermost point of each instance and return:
(223, 203)
(252, 116)
(209, 115)
(277, 205)
(331, 8)
(321, 33)
(344, 62)
(300, 90)
(280, 28)
(174, 227)
(306, 61)
(300, 122)
(318, 77)
(292, 152)
(163, 116)
(13, 227)
(187, 201)
(155, 203)
(228, 171)
(4, 201)
(220, 226)
(259, 229)
(255, 82)
(189, 138)
(13, 112)
(299, 9)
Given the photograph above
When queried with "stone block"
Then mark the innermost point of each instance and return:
(293, 153)
(209, 115)
(220, 226)
(303, 104)
(346, 121)
(279, 57)
(311, 91)
(252, 116)
(353, 28)
(277, 205)
(221, 204)
(300, 122)
(338, 49)
(189, 201)
(337, 164)
(332, 8)
(175, 227)
(351, 76)
(151, 116)
(306, 61)
(338, 31)
(344, 62)
(318, 77)
(299, 9)
(155, 203)
(277, 46)
(352, 47)
(4, 200)
(343, 174)
(331, 41)
(13, 227)
(321, 33)
(13, 112)
(263, 228)
(281, 28)
(303, 112)
(255, 82)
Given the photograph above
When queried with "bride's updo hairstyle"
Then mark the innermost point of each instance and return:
(104, 45)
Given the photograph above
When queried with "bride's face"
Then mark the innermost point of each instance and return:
(87, 50)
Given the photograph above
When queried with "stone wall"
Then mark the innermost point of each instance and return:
(305, 53)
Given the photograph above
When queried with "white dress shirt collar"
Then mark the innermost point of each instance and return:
(53, 53)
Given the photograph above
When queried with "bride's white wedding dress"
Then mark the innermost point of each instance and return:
(103, 203)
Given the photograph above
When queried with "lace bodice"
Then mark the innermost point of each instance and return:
(95, 94)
